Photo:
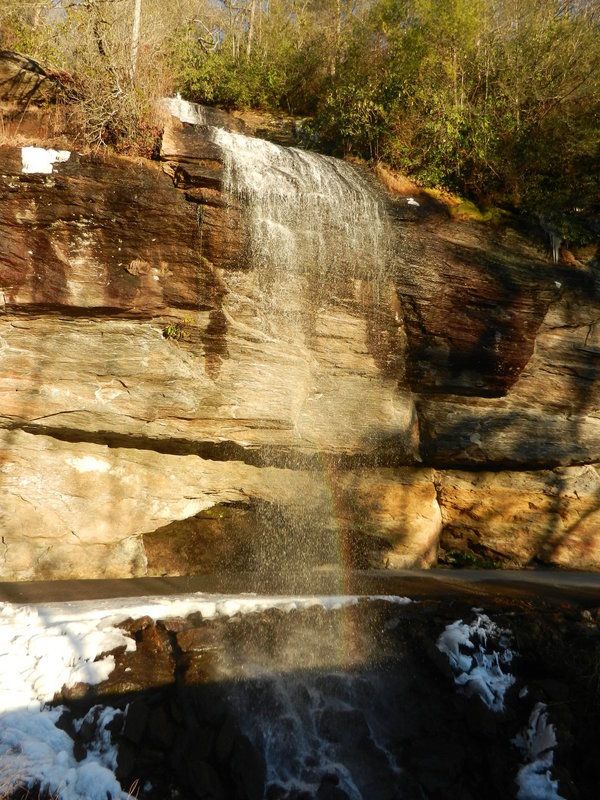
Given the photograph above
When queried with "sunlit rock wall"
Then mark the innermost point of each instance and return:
(158, 417)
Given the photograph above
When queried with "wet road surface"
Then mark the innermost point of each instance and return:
(550, 585)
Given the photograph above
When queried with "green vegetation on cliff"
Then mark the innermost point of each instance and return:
(499, 100)
(496, 99)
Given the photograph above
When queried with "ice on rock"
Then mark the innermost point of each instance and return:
(477, 668)
(539, 737)
(537, 743)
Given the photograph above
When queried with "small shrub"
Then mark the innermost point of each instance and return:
(176, 330)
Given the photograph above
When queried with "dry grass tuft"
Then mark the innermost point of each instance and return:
(13, 790)
(34, 125)
(395, 182)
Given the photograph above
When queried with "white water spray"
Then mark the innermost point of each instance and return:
(311, 218)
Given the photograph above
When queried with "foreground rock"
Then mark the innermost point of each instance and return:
(159, 416)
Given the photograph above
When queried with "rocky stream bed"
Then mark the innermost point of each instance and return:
(370, 700)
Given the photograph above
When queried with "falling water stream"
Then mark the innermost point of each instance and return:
(311, 218)
(316, 233)
(317, 256)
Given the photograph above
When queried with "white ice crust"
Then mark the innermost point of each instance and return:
(40, 159)
(477, 668)
(537, 743)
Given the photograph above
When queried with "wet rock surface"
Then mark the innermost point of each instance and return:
(354, 703)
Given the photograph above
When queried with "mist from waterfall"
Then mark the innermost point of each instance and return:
(318, 245)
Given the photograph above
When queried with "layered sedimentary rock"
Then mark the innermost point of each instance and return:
(22, 79)
(172, 403)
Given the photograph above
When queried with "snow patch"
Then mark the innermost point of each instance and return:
(412, 202)
(89, 464)
(40, 160)
(42, 651)
(35, 752)
(537, 743)
(478, 668)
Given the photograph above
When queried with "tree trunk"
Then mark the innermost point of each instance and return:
(250, 28)
(135, 35)
(337, 37)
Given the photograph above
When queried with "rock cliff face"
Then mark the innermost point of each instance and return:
(168, 405)
(22, 80)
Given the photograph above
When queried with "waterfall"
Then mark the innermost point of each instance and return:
(302, 247)
(314, 276)
(313, 220)
(190, 113)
